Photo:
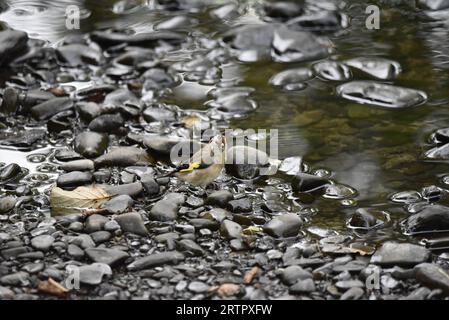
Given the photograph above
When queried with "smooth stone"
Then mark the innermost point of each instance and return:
(400, 254)
(132, 222)
(6, 293)
(93, 274)
(100, 236)
(216, 214)
(200, 223)
(10, 101)
(150, 185)
(292, 274)
(43, 242)
(435, 4)
(122, 100)
(88, 110)
(287, 225)
(304, 182)
(91, 144)
(111, 257)
(438, 153)
(198, 287)
(190, 247)
(95, 222)
(124, 157)
(432, 276)
(230, 230)
(160, 145)
(33, 268)
(379, 94)
(320, 22)
(240, 205)
(283, 10)
(155, 260)
(348, 284)
(377, 67)
(76, 55)
(353, 294)
(303, 286)
(48, 109)
(7, 203)
(10, 171)
(131, 189)
(432, 218)
(12, 44)
(74, 179)
(363, 219)
(111, 226)
(219, 198)
(75, 251)
(107, 123)
(164, 210)
(78, 165)
(146, 39)
(18, 279)
(83, 241)
(119, 204)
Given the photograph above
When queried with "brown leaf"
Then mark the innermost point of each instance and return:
(228, 289)
(52, 287)
(80, 199)
(248, 278)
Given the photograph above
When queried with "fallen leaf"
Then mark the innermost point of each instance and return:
(249, 276)
(228, 290)
(52, 287)
(81, 199)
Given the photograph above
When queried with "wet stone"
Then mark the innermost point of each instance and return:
(303, 286)
(119, 204)
(353, 294)
(432, 218)
(12, 44)
(7, 203)
(88, 110)
(132, 222)
(291, 76)
(365, 219)
(10, 171)
(100, 236)
(150, 185)
(230, 230)
(47, 109)
(74, 179)
(18, 279)
(245, 162)
(91, 144)
(286, 225)
(155, 260)
(190, 247)
(304, 182)
(198, 287)
(107, 123)
(43, 242)
(432, 276)
(75, 252)
(158, 114)
(200, 223)
(111, 257)
(400, 254)
(123, 157)
(240, 205)
(164, 210)
(130, 189)
(219, 198)
(322, 21)
(78, 165)
(283, 10)
(383, 95)
(292, 274)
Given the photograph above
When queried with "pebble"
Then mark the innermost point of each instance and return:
(287, 225)
(155, 260)
(42, 243)
(111, 257)
(400, 254)
(132, 222)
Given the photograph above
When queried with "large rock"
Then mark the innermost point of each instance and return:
(400, 254)
(432, 276)
(432, 218)
(124, 157)
(12, 44)
(74, 179)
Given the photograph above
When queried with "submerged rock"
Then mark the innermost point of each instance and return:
(377, 67)
(291, 76)
(366, 219)
(320, 22)
(332, 70)
(379, 94)
(297, 46)
(305, 182)
(283, 10)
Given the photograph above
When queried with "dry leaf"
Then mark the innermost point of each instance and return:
(228, 290)
(82, 198)
(52, 287)
(249, 276)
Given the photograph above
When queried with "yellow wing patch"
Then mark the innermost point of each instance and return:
(192, 166)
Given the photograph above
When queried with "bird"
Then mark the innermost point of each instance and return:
(205, 165)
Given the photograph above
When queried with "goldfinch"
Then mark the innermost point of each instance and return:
(205, 165)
